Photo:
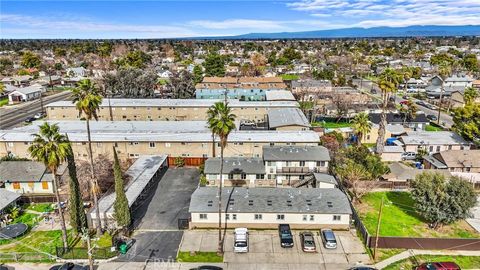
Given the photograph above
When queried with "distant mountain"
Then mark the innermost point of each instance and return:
(357, 32)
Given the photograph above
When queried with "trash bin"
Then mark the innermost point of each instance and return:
(123, 248)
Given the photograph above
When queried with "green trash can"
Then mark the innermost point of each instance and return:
(123, 248)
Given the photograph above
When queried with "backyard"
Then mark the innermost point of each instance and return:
(332, 124)
(433, 127)
(465, 262)
(399, 218)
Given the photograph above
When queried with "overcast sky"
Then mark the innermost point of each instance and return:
(167, 19)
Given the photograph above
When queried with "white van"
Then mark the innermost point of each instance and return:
(240, 241)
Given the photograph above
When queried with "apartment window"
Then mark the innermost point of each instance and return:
(449, 147)
(234, 216)
(304, 218)
(203, 216)
(133, 143)
(152, 144)
(227, 216)
(272, 144)
(281, 217)
(337, 217)
(312, 218)
(438, 148)
(288, 163)
(320, 163)
(431, 149)
(301, 177)
(260, 176)
(16, 185)
(44, 185)
(258, 216)
(244, 176)
(10, 144)
(99, 144)
(238, 143)
(230, 176)
(302, 163)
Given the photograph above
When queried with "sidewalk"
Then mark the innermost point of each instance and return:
(410, 252)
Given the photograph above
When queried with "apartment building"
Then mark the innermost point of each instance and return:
(166, 109)
(243, 88)
(265, 208)
(454, 161)
(188, 139)
(433, 142)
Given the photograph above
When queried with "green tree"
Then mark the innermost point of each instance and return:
(5, 65)
(30, 60)
(361, 125)
(51, 148)
(78, 220)
(470, 62)
(197, 74)
(440, 200)
(134, 59)
(469, 95)
(466, 122)
(214, 65)
(120, 207)
(352, 174)
(2, 88)
(221, 122)
(87, 101)
(130, 83)
(408, 110)
(388, 82)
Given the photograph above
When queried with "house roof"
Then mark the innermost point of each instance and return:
(279, 95)
(7, 197)
(433, 138)
(325, 178)
(271, 200)
(295, 153)
(287, 117)
(157, 131)
(401, 172)
(397, 118)
(459, 158)
(235, 165)
(155, 102)
(27, 90)
(24, 171)
(311, 83)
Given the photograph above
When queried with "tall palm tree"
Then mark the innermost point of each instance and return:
(87, 100)
(51, 148)
(361, 126)
(221, 122)
(388, 82)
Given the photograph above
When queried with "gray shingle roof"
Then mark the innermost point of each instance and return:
(23, 171)
(437, 138)
(271, 200)
(325, 178)
(287, 117)
(7, 197)
(235, 165)
(295, 153)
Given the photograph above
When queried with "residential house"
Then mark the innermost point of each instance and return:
(76, 72)
(454, 161)
(287, 119)
(19, 81)
(310, 89)
(26, 177)
(418, 123)
(25, 94)
(237, 171)
(433, 142)
(451, 84)
(279, 95)
(400, 172)
(265, 208)
(7, 199)
(457, 99)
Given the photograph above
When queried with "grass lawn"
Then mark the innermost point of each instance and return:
(40, 207)
(465, 262)
(3, 102)
(385, 253)
(40, 241)
(400, 219)
(433, 127)
(185, 256)
(331, 125)
(289, 77)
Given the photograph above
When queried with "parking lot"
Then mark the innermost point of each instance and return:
(156, 218)
(265, 250)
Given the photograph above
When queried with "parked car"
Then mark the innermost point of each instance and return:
(30, 119)
(329, 240)
(39, 115)
(438, 266)
(69, 266)
(308, 242)
(404, 102)
(240, 243)
(409, 156)
(421, 103)
(207, 267)
(286, 237)
(362, 268)
(432, 117)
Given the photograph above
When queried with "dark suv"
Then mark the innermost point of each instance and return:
(286, 237)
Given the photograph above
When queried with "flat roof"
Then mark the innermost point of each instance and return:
(279, 95)
(155, 102)
(436, 138)
(287, 117)
(295, 153)
(7, 197)
(153, 131)
(271, 200)
(140, 174)
(235, 165)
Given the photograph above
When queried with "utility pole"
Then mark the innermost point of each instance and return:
(378, 230)
(440, 103)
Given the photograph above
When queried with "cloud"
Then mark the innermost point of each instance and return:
(369, 13)
(238, 24)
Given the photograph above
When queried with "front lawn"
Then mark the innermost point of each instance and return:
(465, 262)
(289, 77)
(433, 127)
(38, 241)
(40, 207)
(212, 257)
(400, 219)
(331, 125)
(3, 102)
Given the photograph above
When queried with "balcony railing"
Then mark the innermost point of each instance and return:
(300, 170)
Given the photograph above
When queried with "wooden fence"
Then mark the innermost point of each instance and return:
(426, 243)
(188, 161)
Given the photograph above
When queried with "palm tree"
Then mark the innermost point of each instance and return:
(221, 122)
(361, 126)
(388, 82)
(52, 148)
(87, 100)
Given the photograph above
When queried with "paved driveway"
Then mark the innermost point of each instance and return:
(265, 251)
(156, 219)
(474, 221)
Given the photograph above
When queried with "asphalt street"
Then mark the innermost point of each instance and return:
(14, 115)
(367, 86)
